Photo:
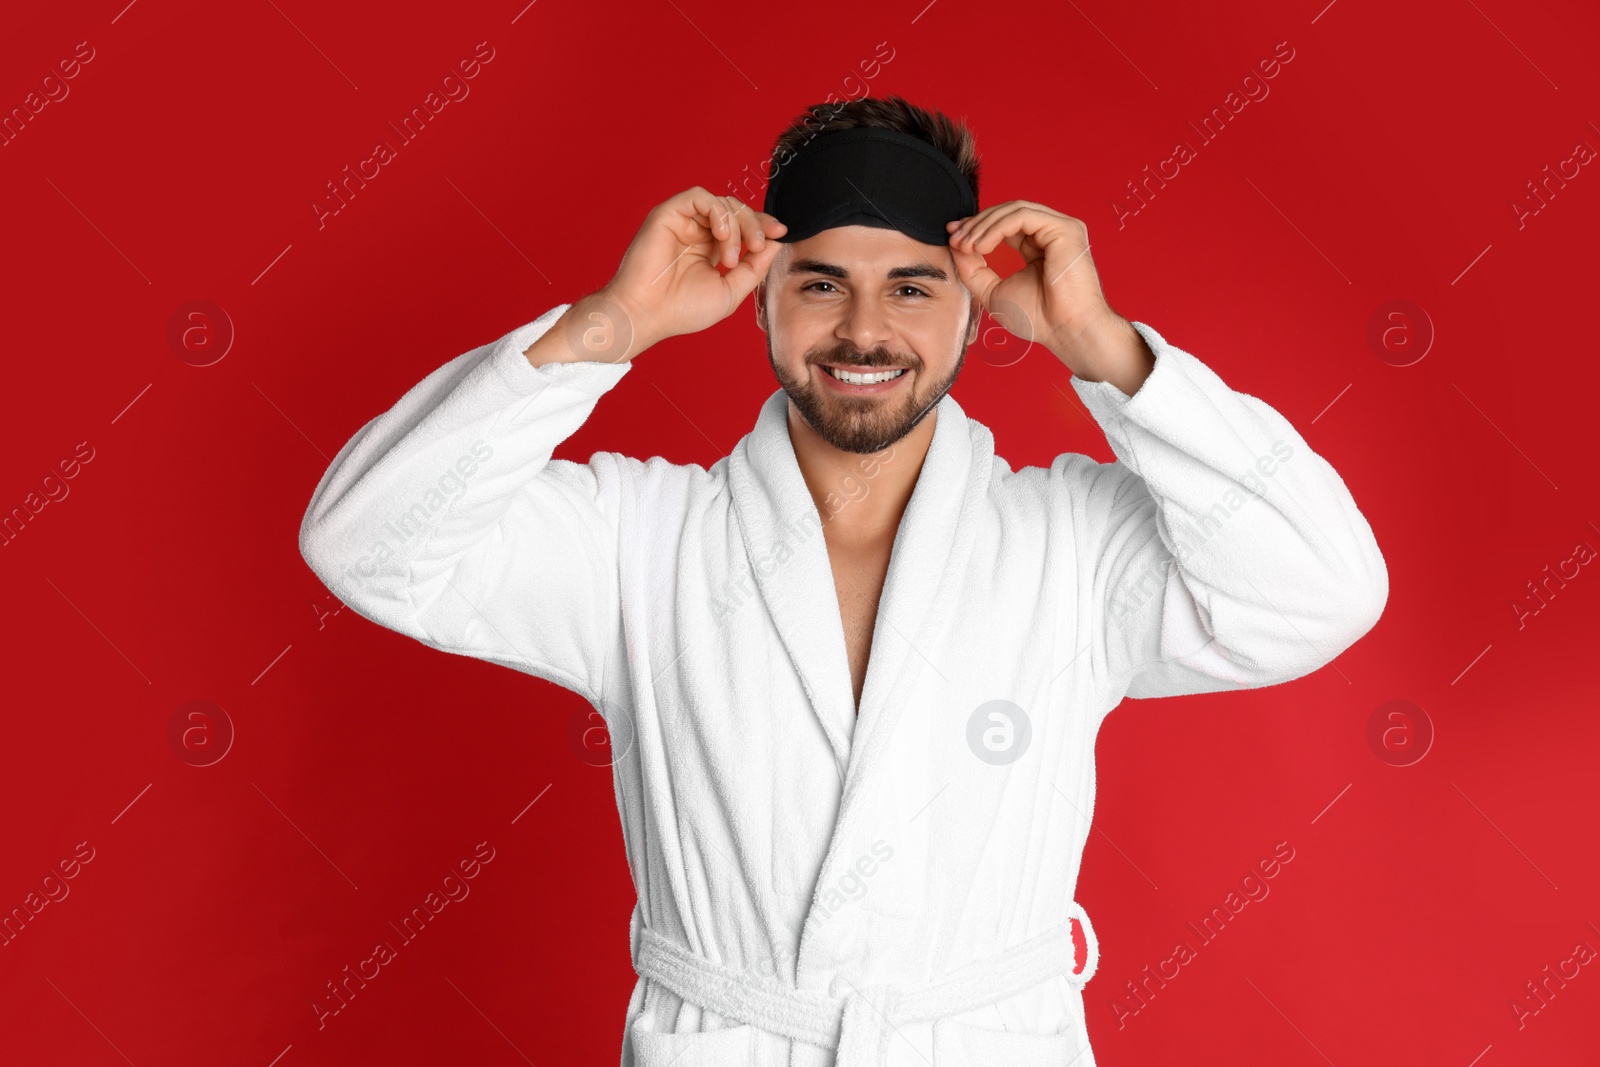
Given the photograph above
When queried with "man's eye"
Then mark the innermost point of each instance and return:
(900, 289)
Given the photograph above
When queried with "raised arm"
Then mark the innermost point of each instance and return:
(446, 519)
(1218, 551)
(1221, 552)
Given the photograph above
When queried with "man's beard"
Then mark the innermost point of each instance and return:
(868, 423)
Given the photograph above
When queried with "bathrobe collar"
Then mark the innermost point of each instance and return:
(782, 531)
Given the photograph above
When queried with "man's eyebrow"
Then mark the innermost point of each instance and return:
(833, 270)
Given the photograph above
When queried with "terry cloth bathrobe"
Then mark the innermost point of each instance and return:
(817, 887)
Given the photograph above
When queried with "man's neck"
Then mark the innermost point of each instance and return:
(860, 496)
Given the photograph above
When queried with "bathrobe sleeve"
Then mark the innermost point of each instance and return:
(1223, 553)
(446, 519)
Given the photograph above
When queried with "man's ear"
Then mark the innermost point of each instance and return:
(975, 321)
(760, 295)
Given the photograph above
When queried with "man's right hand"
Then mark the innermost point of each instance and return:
(669, 284)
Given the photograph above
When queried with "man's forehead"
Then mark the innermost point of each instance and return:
(867, 252)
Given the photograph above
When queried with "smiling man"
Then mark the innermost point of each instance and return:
(872, 336)
(860, 404)
(854, 804)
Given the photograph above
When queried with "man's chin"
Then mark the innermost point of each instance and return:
(861, 425)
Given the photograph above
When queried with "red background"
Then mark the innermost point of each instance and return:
(220, 899)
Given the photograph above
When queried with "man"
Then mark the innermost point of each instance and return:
(854, 823)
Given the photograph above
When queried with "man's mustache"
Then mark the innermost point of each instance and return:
(852, 358)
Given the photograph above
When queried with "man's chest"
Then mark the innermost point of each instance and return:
(858, 576)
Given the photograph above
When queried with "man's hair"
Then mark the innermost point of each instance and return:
(886, 113)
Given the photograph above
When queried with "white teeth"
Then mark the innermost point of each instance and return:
(865, 379)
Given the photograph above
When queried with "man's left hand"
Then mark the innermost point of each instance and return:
(1056, 294)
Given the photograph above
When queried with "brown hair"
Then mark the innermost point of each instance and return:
(885, 113)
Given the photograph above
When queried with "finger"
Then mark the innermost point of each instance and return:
(699, 209)
(1028, 245)
(756, 227)
(691, 219)
(1003, 218)
(979, 278)
(738, 238)
(965, 226)
(974, 234)
(719, 226)
(749, 228)
(749, 272)
(744, 228)
(1031, 232)
(705, 226)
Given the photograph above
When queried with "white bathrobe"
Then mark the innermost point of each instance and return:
(814, 888)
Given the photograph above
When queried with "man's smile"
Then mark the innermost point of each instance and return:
(860, 380)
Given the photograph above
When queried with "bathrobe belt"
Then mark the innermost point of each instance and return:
(857, 1020)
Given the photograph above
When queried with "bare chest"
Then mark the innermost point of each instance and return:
(858, 576)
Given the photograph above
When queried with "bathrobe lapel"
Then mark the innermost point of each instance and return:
(782, 530)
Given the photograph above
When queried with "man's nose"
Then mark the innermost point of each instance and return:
(865, 325)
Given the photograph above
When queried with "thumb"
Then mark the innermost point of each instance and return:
(745, 275)
(979, 278)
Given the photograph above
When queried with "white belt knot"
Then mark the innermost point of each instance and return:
(858, 1020)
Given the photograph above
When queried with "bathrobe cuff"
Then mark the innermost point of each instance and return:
(1110, 405)
(521, 377)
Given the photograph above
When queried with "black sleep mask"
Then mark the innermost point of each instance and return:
(869, 177)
